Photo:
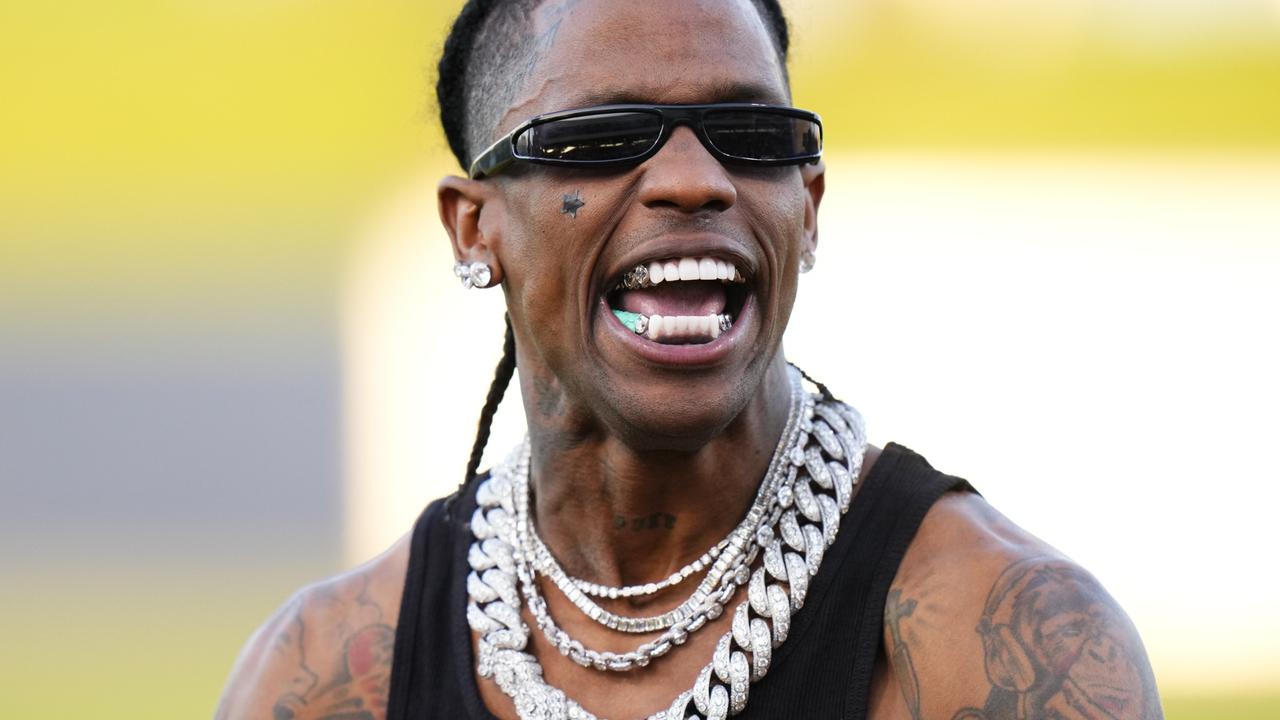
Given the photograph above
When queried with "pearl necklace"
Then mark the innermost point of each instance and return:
(824, 462)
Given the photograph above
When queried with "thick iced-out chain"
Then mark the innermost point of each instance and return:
(824, 468)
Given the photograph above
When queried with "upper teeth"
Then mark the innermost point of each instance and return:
(688, 268)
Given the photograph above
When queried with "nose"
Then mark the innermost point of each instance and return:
(685, 177)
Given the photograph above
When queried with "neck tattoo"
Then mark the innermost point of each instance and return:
(774, 551)
(652, 521)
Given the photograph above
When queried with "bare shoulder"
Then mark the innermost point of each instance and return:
(986, 622)
(325, 654)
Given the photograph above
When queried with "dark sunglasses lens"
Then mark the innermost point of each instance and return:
(763, 135)
(591, 138)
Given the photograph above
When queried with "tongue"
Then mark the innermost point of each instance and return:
(675, 298)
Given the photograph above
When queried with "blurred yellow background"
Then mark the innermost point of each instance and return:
(225, 310)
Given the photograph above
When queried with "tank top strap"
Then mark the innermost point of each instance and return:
(430, 675)
(885, 522)
(824, 669)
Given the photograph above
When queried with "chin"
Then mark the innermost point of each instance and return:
(679, 413)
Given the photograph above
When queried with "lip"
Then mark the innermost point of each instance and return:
(684, 356)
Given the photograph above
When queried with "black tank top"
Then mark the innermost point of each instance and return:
(823, 670)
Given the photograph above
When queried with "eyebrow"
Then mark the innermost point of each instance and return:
(733, 91)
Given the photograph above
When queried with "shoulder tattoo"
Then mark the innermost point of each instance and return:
(1056, 646)
(348, 683)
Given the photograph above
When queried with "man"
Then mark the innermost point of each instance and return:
(650, 256)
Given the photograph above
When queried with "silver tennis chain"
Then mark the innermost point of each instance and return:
(821, 467)
(645, 589)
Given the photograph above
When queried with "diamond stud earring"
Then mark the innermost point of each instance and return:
(807, 261)
(473, 275)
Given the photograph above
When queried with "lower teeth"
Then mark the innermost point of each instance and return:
(677, 328)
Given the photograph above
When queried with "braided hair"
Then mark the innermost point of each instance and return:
(479, 72)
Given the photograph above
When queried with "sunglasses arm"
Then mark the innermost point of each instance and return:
(494, 158)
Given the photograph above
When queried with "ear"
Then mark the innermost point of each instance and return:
(471, 211)
(815, 183)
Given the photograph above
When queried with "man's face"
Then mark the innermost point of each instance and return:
(1084, 644)
(568, 236)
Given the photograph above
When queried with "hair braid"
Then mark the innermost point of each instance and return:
(497, 389)
(826, 393)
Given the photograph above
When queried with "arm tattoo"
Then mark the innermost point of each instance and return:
(357, 687)
(1058, 648)
(897, 608)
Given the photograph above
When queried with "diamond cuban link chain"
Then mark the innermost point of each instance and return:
(824, 464)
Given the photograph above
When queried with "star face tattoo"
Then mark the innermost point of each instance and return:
(572, 204)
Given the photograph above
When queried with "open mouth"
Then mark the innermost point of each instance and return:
(679, 301)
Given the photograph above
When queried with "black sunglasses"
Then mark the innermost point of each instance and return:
(618, 135)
